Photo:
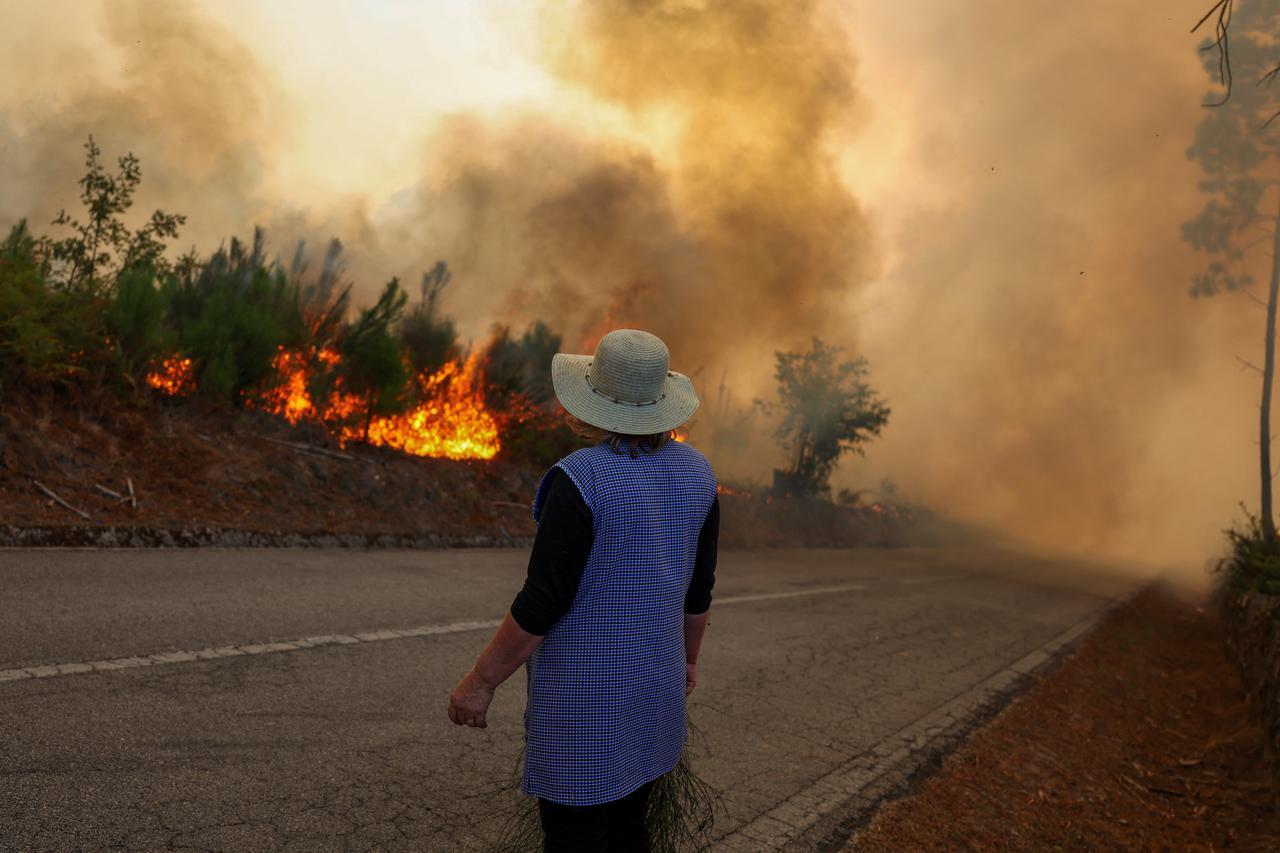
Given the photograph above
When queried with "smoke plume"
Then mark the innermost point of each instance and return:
(726, 229)
(1052, 377)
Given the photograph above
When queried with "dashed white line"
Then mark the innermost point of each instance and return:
(378, 636)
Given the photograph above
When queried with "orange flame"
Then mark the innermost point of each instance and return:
(450, 422)
(173, 376)
(290, 398)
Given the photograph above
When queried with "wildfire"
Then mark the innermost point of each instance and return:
(451, 421)
(173, 376)
(291, 397)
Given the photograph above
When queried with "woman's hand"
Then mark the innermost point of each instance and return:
(690, 677)
(470, 700)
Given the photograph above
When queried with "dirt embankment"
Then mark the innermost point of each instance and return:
(1143, 740)
(196, 473)
(205, 476)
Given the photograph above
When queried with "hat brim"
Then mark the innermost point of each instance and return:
(569, 378)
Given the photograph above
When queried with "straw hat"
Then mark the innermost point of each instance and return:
(626, 387)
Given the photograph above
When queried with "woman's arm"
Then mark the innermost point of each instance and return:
(694, 626)
(559, 555)
(510, 647)
(697, 601)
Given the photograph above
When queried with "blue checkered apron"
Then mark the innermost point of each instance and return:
(606, 710)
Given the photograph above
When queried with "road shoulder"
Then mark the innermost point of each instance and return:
(1141, 739)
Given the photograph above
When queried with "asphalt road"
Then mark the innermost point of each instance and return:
(342, 742)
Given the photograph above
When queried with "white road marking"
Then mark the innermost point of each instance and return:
(214, 652)
(795, 593)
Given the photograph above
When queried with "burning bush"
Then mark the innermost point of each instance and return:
(429, 337)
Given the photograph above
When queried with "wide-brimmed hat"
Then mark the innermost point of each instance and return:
(627, 387)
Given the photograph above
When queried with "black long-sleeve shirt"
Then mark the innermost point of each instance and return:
(560, 551)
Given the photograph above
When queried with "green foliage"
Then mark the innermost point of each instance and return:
(828, 409)
(538, 439)
(324, 300)
(1254, 561)
(103, 247)
(231, 315)
(47, 335)
(135, 321)
(520, 366)
(373, 365)
(430, 338)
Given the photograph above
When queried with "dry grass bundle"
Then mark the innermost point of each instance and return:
(682, 812)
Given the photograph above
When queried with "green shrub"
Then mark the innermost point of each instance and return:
(135, 321)
(231, 316)
(47, 335)
(828, 409)
(521, 366)
(1254, 561)
(430, 339)
(373, 364)
(102, 248)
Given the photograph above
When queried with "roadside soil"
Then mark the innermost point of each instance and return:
(210, 476)
(1142, 740)
(199, 468)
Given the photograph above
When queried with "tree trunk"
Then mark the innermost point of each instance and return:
(1268, 376)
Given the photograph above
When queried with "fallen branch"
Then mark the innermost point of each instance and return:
(133, 497)
(1227, 783)
(111, 493)
(520, 504)
(48, 491)
(310, 448)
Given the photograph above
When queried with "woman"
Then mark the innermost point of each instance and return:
(612, 612)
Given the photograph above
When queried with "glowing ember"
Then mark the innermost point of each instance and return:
(174, 376)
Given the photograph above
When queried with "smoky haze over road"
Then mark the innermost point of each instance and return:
(813, 659)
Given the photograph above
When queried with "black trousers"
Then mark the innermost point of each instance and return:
(616, 827)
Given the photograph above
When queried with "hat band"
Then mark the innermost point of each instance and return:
(611, 399)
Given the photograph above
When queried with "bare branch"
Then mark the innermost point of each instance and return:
(48, 491)
(1248, 365)
(1252, 243)
(111, 493)
(310, 448)
(1261, 303)
(1221, 42)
